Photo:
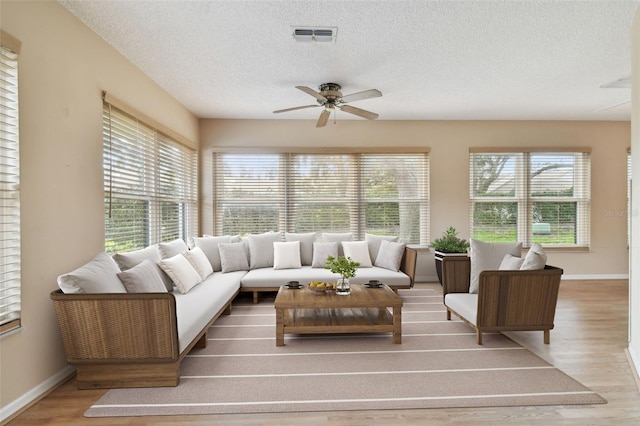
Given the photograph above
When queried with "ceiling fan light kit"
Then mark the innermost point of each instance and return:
(330, 97)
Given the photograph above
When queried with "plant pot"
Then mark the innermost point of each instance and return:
(439, 256)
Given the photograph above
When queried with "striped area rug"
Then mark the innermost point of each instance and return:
(437, 365)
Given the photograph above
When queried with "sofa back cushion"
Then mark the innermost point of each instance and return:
(143, 278)
(306, 245)
(374, 242)
(172, 248)
(99, 275)
(487, 257)
(130, 259)
(209, 246)
(261, 249)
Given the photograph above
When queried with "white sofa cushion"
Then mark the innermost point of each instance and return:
(199, 261)
(183, 275)
(306, 245)
(374, 242)
(390, 255)
(286, 255)
(143, 278)
(261, 249)
(323, 250)
(172, 248)
(269, 277)
(535, 259)
(130, 259)
(487, 257)
(465, 304)
(385, 276)
(209, 246)
(99, 275)
(233, 257)
(358, 251)
(337, 237)
(510, 263)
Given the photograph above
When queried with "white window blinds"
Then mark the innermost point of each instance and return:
(376, 193)
(150, 184)
(10, 281)
(541, 197)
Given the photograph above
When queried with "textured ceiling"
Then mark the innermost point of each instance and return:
(431, 60)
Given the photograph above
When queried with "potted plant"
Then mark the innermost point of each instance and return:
(344, 266)
(448, 245)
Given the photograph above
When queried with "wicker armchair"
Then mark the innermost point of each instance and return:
(506, 300)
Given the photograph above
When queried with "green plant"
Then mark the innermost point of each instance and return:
(450, 243)
(344, 266)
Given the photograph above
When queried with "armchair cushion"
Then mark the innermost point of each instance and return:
(535, 259)
(487, 257)
(510, 263)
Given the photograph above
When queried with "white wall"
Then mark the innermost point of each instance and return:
(449, 170)
(63, 67)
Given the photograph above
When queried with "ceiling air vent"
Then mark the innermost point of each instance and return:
(315, 34)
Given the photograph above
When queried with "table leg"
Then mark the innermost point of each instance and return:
(397, 325)
(279, 327)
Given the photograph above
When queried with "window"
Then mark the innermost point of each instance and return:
(377, 193)
(10, 280)
(150, 184)
(531, 197)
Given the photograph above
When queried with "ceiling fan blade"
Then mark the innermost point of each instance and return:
(295, 108)
(613, 106)
(358, 96)
(324, 117)
(359, 112)
(312, 92)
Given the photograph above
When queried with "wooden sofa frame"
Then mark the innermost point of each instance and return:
(407, 265)
(124, 340)
(507, 300)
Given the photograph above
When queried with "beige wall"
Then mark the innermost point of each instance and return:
(449, 170)
(63, 67)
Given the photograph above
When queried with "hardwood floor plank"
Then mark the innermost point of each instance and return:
(588, 343)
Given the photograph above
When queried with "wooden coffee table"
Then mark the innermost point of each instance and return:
(365, 310)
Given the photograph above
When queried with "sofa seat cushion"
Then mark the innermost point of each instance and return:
(196, 308)
(386, 276)
(269, 277)
(465, 304)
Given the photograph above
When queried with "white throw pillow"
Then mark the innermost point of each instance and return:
(390, 255)
(172, 248)
(374, 243)
(143, 278)
(209, 246)
(358, 251)
(233, 257)
(286, 255)
(535, 259)
(510, 263)
(487, 257)
(199, 261)
(321, 251)
(306, 245)
(261, 249)
(130, 259)
(332, 237)
(99, 275)
(183, 275)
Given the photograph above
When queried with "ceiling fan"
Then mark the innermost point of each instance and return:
(331, 98)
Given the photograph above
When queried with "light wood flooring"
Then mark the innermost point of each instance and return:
(588, 343)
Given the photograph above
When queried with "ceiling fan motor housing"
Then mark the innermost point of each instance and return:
(331, 91)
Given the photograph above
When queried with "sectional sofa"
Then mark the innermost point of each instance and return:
(129, 319)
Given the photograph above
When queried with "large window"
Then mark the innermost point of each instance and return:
(533, 196)
(150, 184)
(375, 193)
(10, 281)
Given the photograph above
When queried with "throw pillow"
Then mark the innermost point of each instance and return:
(199, 261)
(510, 263)
(329, 237)
(172, 248)
(100, 275)
(286, 255)
(209, 246)
(374, 243)
(132, 258)
(306, 245)
(390, 255)
(183, 275)
(535, 259)
(261, 249)
(233, 257)
(321, 251)
(142, 278)
(358, 251)
(487, 257)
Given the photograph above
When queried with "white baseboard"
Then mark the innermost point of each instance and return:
(596, 277)
(634, 364)
(36, 393)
